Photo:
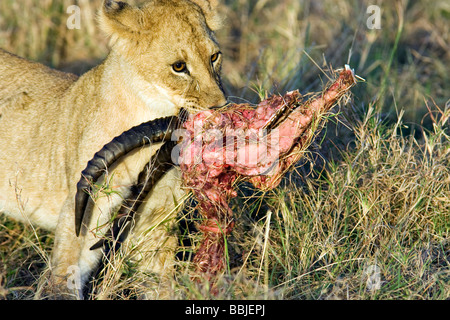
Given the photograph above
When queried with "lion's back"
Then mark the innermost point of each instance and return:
(22, 78)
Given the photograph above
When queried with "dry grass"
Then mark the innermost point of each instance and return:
(366, 216)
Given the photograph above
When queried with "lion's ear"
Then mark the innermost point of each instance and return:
(119, 19)
(209, 8)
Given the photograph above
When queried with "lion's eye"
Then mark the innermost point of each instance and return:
(179, 66)
(215, 57)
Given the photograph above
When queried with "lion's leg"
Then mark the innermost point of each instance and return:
(154, 236)
(155, 254)
(72, 262)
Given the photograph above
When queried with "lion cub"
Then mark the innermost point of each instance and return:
(164, 56)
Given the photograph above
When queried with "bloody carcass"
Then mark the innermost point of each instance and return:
(241, 142)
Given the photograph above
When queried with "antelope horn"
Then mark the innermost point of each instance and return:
(160, 163)
(154, 131)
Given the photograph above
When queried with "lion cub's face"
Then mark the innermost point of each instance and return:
(171, 46)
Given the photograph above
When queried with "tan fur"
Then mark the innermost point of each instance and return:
(52, 123)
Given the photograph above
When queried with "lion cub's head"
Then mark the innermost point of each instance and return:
(171, 46)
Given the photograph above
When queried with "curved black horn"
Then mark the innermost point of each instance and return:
(160, 163)
(153, 131)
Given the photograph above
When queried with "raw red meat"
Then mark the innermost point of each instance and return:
(241, 142)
